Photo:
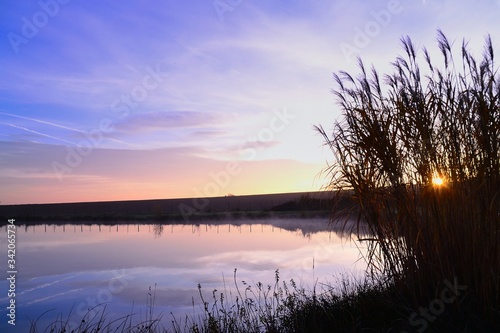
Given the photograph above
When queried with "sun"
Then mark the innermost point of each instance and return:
(437, 180)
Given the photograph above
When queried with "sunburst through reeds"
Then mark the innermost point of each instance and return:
(420, 150)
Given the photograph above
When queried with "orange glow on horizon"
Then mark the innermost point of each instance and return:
(256, 177)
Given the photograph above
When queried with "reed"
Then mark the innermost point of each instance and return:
(419, 149)
(350, 306)
(97, 320)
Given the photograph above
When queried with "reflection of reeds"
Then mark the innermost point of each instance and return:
(158, 230)
(394, 138)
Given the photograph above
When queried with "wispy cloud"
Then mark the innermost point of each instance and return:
(155, 121)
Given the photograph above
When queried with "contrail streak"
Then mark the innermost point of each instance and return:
(38, 133)
(55, 125)
(42, 122)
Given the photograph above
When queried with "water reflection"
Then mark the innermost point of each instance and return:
(64, 266)
(306, 227)
(158, 229)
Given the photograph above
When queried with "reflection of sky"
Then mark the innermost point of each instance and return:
(71, 267)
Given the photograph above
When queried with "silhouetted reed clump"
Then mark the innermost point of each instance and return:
(420, 150)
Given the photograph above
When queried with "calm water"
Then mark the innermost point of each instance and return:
(63, 267)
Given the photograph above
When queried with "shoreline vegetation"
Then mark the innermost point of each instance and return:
(371, 304)
(418, 158)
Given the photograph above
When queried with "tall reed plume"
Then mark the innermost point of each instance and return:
(419, 150)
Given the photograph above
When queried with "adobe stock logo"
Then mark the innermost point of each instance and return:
(31, 26)
(221, 7)
(371, 30)
(122, 106)
(436, 307)
(249, 150)
(89, 309)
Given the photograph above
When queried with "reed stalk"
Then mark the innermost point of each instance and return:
(419, 149)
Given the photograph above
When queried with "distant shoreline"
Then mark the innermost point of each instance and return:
(282, 205)
(166, 219)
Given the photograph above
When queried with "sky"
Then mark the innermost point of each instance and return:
(129, 100)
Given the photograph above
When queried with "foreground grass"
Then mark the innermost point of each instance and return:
(368, 305)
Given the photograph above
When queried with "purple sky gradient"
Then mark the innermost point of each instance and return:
(155, 96)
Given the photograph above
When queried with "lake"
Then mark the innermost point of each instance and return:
(65, 270)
